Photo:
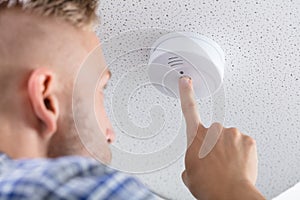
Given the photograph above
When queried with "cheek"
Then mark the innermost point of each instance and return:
(101, 113)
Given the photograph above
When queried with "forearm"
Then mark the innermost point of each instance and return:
(245, 191)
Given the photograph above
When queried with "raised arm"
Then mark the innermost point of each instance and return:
(229, 170)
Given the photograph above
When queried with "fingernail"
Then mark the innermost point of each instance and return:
(185, 80)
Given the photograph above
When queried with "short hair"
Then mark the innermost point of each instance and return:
(80, 13)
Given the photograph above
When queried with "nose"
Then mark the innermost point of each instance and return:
(110, 135)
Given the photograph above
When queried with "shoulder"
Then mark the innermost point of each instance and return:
(46, 177)
(60, 169)
(70, 177)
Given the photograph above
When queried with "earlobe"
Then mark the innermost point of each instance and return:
(43, 100)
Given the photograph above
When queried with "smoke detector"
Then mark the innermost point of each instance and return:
(186, 54)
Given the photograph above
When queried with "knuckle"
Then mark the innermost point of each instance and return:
(216, 124)
(249, 140)
(188, 106)
(233, 131)
(183, 176)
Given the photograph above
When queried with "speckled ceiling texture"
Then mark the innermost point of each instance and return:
(261, 41)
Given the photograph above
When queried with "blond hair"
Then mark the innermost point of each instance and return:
(80, 13)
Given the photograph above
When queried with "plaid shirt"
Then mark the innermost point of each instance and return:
(71, 177)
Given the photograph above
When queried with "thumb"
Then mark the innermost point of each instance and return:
(184, 178)
(189, 108)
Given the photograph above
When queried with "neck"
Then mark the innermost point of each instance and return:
(19, 142)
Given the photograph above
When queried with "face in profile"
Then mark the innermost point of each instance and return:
(91, 123)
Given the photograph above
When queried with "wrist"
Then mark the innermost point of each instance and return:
(241, 190)
(245, 190)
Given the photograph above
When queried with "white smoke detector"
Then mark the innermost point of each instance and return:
(186, 54)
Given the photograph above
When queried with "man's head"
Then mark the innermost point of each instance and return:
(42, 45)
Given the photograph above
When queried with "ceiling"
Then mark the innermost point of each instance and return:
(260, 95)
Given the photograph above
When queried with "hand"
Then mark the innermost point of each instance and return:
(229, 170)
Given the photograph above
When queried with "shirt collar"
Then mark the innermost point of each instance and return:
(3, 157)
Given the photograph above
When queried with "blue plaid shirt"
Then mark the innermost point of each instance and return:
(71, 177)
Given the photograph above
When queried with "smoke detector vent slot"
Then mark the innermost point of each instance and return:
(171, 58)
(176, 64)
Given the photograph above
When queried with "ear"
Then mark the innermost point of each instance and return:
(43, 99)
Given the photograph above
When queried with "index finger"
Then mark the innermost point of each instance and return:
(190, 110)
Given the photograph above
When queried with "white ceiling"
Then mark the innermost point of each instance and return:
(260, 96)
